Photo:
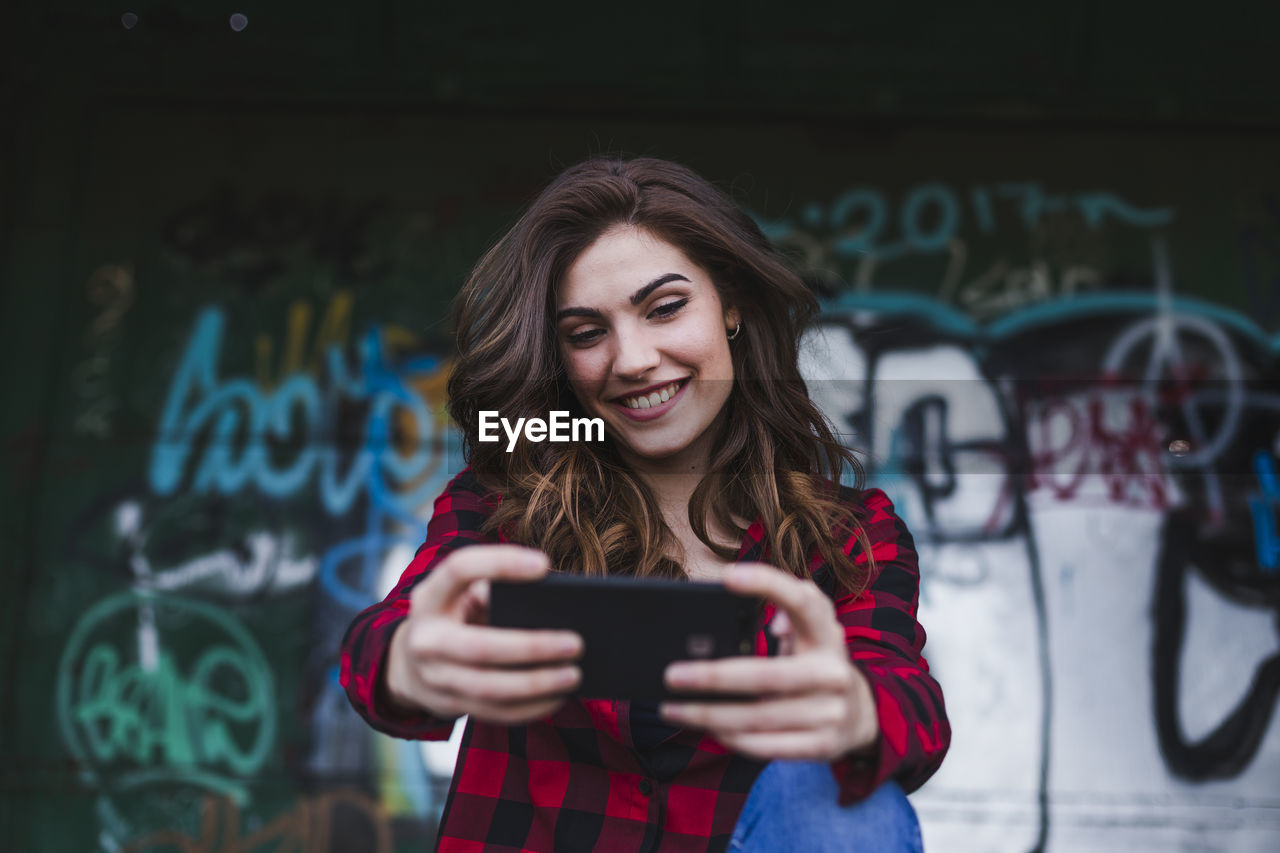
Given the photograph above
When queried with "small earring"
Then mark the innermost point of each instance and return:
(736, 330)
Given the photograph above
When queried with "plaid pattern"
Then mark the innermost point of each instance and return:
(576, 780)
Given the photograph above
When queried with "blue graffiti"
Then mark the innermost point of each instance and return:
(367, 551)
(242, 422)
(1263, 506)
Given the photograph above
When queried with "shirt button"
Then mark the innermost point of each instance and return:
(646, 787)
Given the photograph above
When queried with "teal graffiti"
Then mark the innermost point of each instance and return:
(919, 200)
(867, 202)
(1099, 206)
(931, 216)
(162, 717)
(211, 723)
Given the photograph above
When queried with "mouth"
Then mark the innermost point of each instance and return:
(652, 401)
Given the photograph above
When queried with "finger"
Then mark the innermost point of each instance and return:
(474, 604)
(780, 627)
(811, 613)
(506, 714)
(798, 746)
(807, 673)
(500, 686)
(792, 713)
(479, 594)
(516, 714)
(450, 581)
(482, 645)
(780, 624)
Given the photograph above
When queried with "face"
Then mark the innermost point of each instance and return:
(643, 336)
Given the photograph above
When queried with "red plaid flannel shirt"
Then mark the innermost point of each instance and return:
(576, 781)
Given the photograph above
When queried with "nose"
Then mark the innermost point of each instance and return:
(635, 354)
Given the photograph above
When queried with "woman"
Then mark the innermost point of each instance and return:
(635, 292)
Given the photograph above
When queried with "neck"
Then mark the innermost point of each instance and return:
(672, 489)
(673, 482)
(674, 479)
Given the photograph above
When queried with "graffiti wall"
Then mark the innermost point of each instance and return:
(1058, 356)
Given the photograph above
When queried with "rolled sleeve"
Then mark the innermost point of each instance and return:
(885, 641)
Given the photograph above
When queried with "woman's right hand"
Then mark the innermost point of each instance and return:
(445, 660)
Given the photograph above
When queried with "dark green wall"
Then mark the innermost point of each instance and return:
(179, 195)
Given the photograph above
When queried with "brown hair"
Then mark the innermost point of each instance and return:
(776, 458)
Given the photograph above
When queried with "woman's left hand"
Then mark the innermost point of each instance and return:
(811, 702)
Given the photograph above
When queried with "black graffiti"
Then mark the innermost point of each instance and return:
(254, 244)
(1080, 419)
(1226, 751)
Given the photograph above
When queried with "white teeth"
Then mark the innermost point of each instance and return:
(655, 398)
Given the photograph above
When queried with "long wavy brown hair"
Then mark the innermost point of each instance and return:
(776, 458)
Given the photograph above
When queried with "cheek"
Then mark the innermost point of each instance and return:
(584, 370)
(718, 361)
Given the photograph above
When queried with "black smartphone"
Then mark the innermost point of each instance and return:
(632, 629)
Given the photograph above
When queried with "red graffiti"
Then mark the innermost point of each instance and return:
(1103, 444)
(308, 827)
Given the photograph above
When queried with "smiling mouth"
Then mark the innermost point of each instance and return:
(654, 398)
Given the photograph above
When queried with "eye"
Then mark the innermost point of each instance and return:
(588, 336)
(669, 309)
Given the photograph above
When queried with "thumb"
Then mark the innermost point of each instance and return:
(780, 627)
(446, 589)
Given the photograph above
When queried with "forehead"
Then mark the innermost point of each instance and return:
(622, 260)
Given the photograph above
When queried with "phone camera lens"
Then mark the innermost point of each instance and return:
(700, 645)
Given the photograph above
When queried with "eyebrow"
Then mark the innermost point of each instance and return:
(636, 298)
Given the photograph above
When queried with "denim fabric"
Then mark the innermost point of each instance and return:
(793, 806)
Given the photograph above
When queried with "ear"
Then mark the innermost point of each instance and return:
(731, 320)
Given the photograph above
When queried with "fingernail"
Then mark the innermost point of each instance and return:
(533, 559)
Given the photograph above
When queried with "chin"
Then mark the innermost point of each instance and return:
(658, 449)
(654, 454)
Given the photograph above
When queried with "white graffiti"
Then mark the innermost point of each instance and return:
(1041, 573)
(262, 562)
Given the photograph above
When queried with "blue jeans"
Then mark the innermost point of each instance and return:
(793, 806)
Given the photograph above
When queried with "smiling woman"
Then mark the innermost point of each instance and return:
(653, 362)
(634, 293)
